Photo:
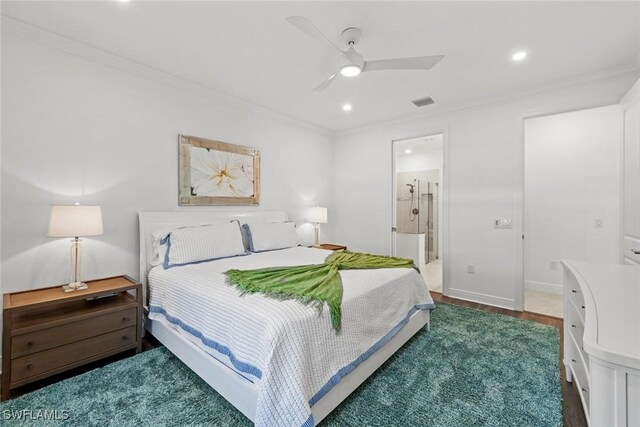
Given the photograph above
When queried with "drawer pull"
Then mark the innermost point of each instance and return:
(30, 366)
(125, 319)
(574, 291)
(29, 344)
(573, 326)
(635, 251)
(124, 338)
(573, 360)
(582, 306)
(584, 390)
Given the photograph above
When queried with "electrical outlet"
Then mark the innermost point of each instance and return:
(553, 265)
(471, 268)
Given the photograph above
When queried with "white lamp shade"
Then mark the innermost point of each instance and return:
(75, 221)
(317, 215)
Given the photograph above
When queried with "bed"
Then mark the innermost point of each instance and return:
(278, 362)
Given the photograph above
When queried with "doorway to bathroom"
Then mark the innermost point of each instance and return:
(418, 204)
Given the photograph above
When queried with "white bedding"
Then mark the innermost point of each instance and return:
(290, 351)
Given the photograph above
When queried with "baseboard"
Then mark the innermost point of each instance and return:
(543, 287)
(481, 298)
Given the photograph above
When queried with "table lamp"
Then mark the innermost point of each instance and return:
(75, 221)
(317, 215)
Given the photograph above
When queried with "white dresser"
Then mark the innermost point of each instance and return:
(602, 340)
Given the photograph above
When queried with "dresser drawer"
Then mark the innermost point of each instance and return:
(45, 339)
(23, 368)
(575, 327)
(580, 372)
(576, 297)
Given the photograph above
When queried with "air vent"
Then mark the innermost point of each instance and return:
(423, 101)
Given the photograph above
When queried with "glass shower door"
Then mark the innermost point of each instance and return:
(429, 219)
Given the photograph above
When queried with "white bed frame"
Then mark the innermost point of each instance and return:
(239, 391)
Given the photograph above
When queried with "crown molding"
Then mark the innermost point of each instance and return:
(53, 40)
(601, 76)
(632, 97)
(50, 39)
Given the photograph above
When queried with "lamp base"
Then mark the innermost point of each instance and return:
(75, 286)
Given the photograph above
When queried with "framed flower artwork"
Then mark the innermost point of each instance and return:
(216, 173)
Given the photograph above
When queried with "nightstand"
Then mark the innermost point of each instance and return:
(48, 331)
(331, 247)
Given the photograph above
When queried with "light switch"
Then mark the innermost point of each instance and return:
(471, 268)
(504, 223)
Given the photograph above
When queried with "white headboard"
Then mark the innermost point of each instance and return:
(155, 221)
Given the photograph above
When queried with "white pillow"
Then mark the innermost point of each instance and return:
(159, 248)
(159, 245)
(270, 236)
(191, 245)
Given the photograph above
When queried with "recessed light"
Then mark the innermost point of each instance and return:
(408, 151)
(123, 1)
(350, 70)
(519, 56)
(347, 107)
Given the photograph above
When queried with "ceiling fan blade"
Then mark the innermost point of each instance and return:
(416, 63)
(322, 86)
(307, 27)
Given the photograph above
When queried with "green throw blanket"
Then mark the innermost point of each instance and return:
(312, 284)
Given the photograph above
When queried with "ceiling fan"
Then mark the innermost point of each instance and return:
(351, 62)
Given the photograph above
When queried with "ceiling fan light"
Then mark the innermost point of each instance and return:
(350, 70)
(519, 56)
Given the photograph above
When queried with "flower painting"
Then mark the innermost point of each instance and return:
(217, 173)
(220, 174)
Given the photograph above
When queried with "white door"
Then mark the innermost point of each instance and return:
(631, 178)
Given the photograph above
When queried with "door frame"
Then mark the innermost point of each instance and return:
(444, 221)
(520, 197)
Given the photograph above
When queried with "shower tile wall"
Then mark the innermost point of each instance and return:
(403, 222)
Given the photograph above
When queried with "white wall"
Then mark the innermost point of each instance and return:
(485, 167)
(75, 130)
(431, 160)
(572, 177)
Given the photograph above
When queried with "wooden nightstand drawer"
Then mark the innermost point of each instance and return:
(23, 368)
(49, 331)
(45, 339)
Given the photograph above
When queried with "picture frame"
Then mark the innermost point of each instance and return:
(215, 173)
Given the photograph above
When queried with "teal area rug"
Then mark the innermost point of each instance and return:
(472, 369)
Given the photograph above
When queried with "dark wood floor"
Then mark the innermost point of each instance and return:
(572, 408)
